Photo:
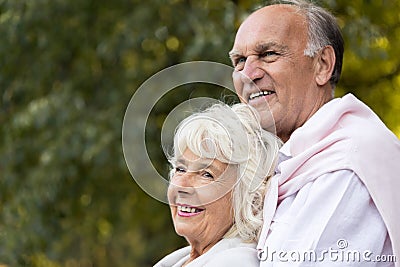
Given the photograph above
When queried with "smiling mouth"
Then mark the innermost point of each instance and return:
(260, 94)
(187, 211)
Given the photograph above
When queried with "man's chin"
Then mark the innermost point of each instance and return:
(268, 122)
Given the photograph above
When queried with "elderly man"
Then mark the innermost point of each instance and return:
(333, 198)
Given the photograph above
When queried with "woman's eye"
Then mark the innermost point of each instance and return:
(207, 175)
(179, 170)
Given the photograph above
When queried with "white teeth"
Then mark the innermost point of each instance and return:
(186, 209)
(261, 93)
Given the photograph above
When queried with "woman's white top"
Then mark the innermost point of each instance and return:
(228, 252)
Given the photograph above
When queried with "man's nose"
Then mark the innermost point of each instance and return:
(251, 71)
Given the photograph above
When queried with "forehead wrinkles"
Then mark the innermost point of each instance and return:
(271, 24)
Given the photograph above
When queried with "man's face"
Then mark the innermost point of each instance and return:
(268, 56)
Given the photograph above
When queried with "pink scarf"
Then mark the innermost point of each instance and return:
(343, 134)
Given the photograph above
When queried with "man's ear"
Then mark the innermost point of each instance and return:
(325, 65)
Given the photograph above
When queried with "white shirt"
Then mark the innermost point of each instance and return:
(332, 221)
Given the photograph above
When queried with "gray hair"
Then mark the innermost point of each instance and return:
(323, 30)
(233, 135)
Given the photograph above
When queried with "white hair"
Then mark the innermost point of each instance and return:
(233, 135)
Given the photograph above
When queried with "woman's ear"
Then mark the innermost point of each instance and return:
(325, 65)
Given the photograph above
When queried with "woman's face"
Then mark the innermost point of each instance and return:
(200, 197)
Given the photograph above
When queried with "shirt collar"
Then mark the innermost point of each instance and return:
(285, 149)
(284, 154)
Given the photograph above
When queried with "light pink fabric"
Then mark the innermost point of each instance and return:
(343, 134)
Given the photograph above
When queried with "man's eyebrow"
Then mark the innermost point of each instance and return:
(234, 53)
(262, 47)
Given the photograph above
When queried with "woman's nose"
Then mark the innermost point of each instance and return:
(184, 184)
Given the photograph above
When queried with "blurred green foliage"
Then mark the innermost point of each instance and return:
(67, 72)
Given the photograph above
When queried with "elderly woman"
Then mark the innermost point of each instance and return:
(221, 162)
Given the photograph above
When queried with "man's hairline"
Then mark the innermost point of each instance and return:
(296, 10)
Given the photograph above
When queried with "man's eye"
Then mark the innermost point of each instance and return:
(239, 63)
(269, 53)
(241, 60)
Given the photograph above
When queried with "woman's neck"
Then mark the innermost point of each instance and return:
(198, 249)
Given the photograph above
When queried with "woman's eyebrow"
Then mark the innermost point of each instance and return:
(199, 164)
